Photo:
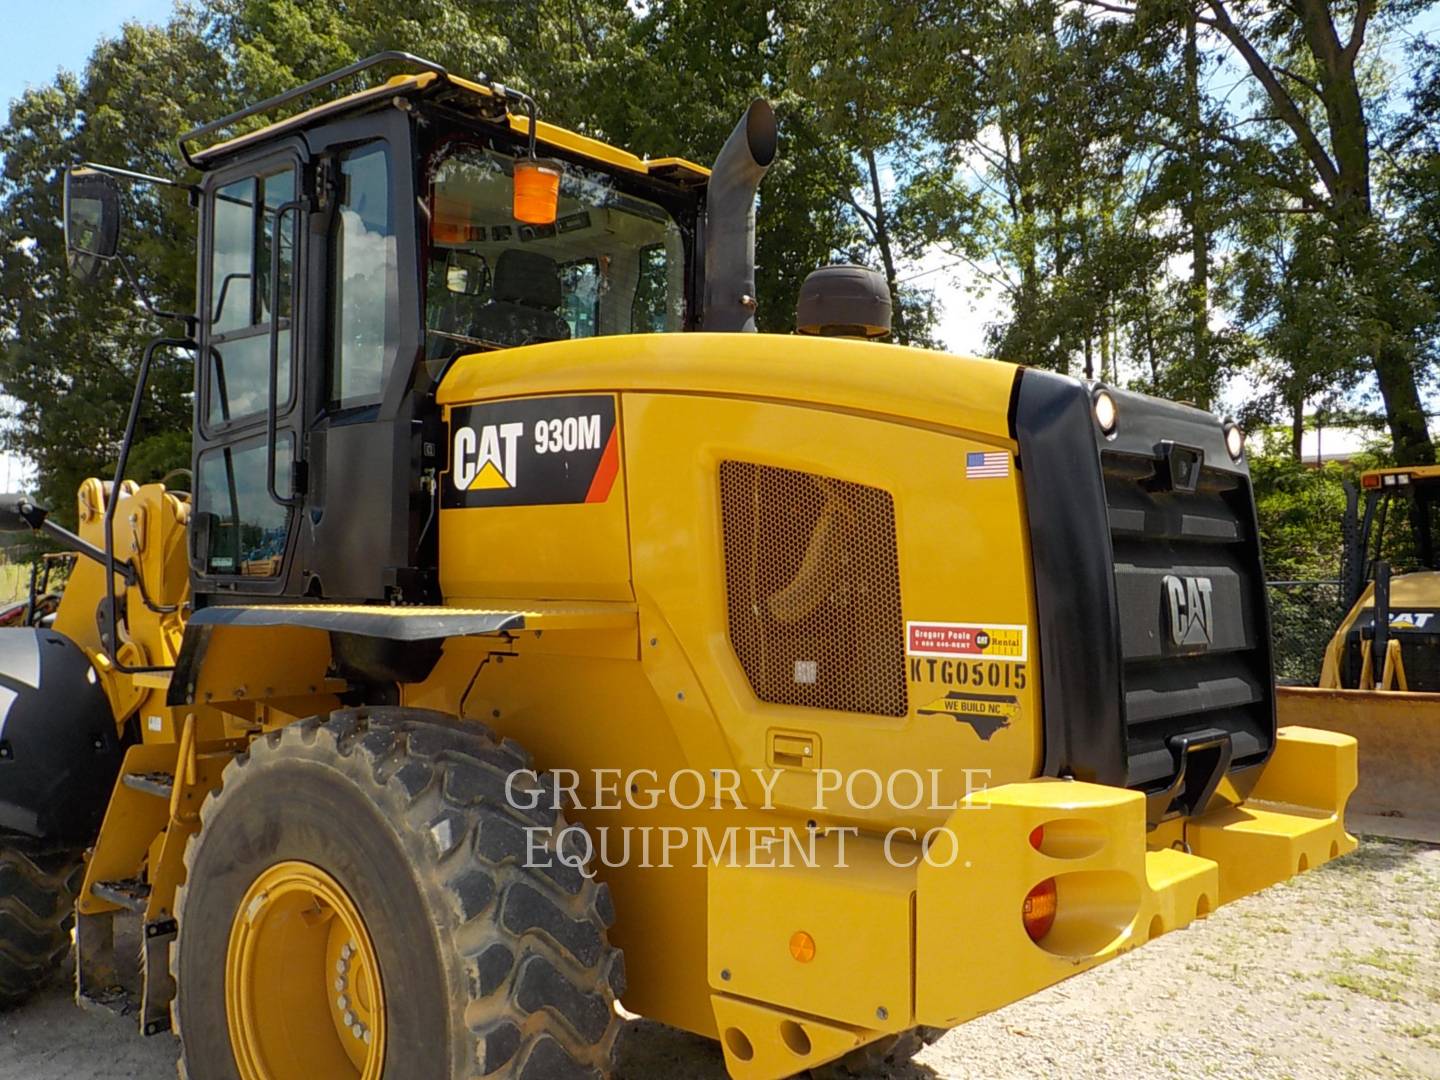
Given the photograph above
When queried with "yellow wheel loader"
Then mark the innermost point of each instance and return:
(536, 635)
(1380, 679)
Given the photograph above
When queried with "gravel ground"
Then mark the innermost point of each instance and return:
(1336, 974)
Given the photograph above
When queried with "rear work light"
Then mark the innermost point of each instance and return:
(1038, 911)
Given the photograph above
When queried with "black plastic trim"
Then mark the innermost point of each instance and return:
(1078, 625)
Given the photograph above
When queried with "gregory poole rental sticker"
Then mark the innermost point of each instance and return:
(956, 640)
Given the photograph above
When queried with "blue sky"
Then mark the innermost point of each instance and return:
(39, 37)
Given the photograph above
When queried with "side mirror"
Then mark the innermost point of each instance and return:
(92, 221)
(19, 514)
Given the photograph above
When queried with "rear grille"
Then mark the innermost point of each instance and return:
(1187, 565)
(812, 583)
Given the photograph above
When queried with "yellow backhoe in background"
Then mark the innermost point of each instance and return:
(1380, 679)
(537, 634)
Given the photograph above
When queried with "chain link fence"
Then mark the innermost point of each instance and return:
(1303, 617)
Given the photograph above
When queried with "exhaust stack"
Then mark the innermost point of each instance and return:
(730, 221)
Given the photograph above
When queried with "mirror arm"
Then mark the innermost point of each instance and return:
(144, 178)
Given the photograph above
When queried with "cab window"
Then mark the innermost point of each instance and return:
(364, 314)
(612, 263)
(243, 217)
(242, 530)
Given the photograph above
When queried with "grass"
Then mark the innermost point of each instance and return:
(14, 580)
(1370, 986)
(1420, 1031)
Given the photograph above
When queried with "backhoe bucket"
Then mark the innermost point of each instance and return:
(1399, 736)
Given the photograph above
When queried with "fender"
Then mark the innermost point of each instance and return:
(59, 748)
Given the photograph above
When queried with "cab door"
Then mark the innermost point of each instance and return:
(248, 475)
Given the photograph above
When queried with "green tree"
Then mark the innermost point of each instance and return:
(1307, 144)
(68, 352)
(668, 78)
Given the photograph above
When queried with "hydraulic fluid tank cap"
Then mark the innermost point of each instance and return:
(843, 301)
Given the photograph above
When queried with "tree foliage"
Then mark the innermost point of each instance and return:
(1185, 196)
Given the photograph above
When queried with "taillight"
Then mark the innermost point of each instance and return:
(1039, 909)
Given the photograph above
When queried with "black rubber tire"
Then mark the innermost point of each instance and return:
(492, 968)
(879, 1058)
(37, 910)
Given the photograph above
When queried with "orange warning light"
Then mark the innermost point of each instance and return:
(537, 191)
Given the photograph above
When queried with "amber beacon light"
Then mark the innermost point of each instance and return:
(537, 191)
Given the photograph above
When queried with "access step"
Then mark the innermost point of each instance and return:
(130, 893)
(160, 784)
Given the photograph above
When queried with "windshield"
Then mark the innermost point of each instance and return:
(612, 263)
(1404, 523)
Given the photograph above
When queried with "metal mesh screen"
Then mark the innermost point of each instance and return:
(812, 581)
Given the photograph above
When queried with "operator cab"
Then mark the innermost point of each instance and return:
(1390, 568)
(347, 256)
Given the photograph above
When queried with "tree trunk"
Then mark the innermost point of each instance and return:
(1297, 427)
(882, 240)
(1196, 219)
(1403, 409)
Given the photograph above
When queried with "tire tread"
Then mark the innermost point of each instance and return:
(37, 910)
(534, 958)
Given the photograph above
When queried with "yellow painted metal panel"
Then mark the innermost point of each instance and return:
(853, 903)
(962, 556)
(1294, 820)
(911, 386)
(972, 891)
(765, 1043)
(576, 552)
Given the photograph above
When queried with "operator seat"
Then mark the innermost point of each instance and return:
(526, 296)
(448, 313)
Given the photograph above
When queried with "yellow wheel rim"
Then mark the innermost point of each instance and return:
(303, 994)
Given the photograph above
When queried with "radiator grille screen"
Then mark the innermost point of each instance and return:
(812, 582)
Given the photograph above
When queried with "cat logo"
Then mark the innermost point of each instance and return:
(532, 452)
(1188, 601)
(492, 463)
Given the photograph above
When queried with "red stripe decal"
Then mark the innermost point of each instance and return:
(605, 472)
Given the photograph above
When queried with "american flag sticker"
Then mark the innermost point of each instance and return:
(981, 465)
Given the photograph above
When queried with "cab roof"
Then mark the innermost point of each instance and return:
(1392, 477)
(489, 101)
